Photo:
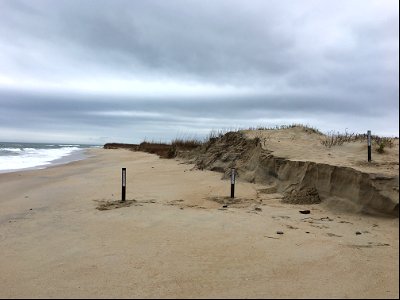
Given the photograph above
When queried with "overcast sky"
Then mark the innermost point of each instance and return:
(121, 71)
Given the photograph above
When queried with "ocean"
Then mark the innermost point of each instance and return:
(23, 156)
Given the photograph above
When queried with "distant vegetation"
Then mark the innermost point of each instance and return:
(188, 143)
(164, 150)
(338, 139)
(306, 128)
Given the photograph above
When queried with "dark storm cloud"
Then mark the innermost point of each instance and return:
(200, 39)
(332, 61)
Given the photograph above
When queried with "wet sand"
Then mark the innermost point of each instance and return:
(177, 240)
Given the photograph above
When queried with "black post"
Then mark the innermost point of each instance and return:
(369, 145)
(123, 184)
(233, 183)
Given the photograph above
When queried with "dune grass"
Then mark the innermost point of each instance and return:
(190, 142)
(337, 139)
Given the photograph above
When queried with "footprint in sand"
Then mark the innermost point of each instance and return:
(291, 227)
(333, 235)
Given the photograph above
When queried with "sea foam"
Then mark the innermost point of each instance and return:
(23, 158)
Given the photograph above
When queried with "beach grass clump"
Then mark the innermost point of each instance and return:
(306, 128)
(181, 144)
(216, 134)
(381, 148)
(186, 144)
(382, 143)
(161, 149)
(169, 150)
(337, 139)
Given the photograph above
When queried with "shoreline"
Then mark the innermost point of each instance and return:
(77, 155)
(176, 240)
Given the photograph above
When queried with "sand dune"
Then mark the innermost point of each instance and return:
(295, 162)
(301, 144)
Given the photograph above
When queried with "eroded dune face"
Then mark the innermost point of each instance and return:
(304, 144)
(305, 171)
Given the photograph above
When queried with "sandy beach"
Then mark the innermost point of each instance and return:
(177, 240)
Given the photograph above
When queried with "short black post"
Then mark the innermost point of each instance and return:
(369, 145)
(233, 183)
(123, 184)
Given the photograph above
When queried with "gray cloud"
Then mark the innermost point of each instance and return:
(152, 36)
(329, 64)
(166, 117)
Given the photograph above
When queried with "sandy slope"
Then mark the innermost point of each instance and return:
(299, 144)
(177, 241)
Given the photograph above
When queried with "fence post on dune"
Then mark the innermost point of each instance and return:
(123, 184)
(369, 145)
(232, 183)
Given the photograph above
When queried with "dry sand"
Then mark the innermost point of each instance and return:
(300, 144)
(176, 240)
